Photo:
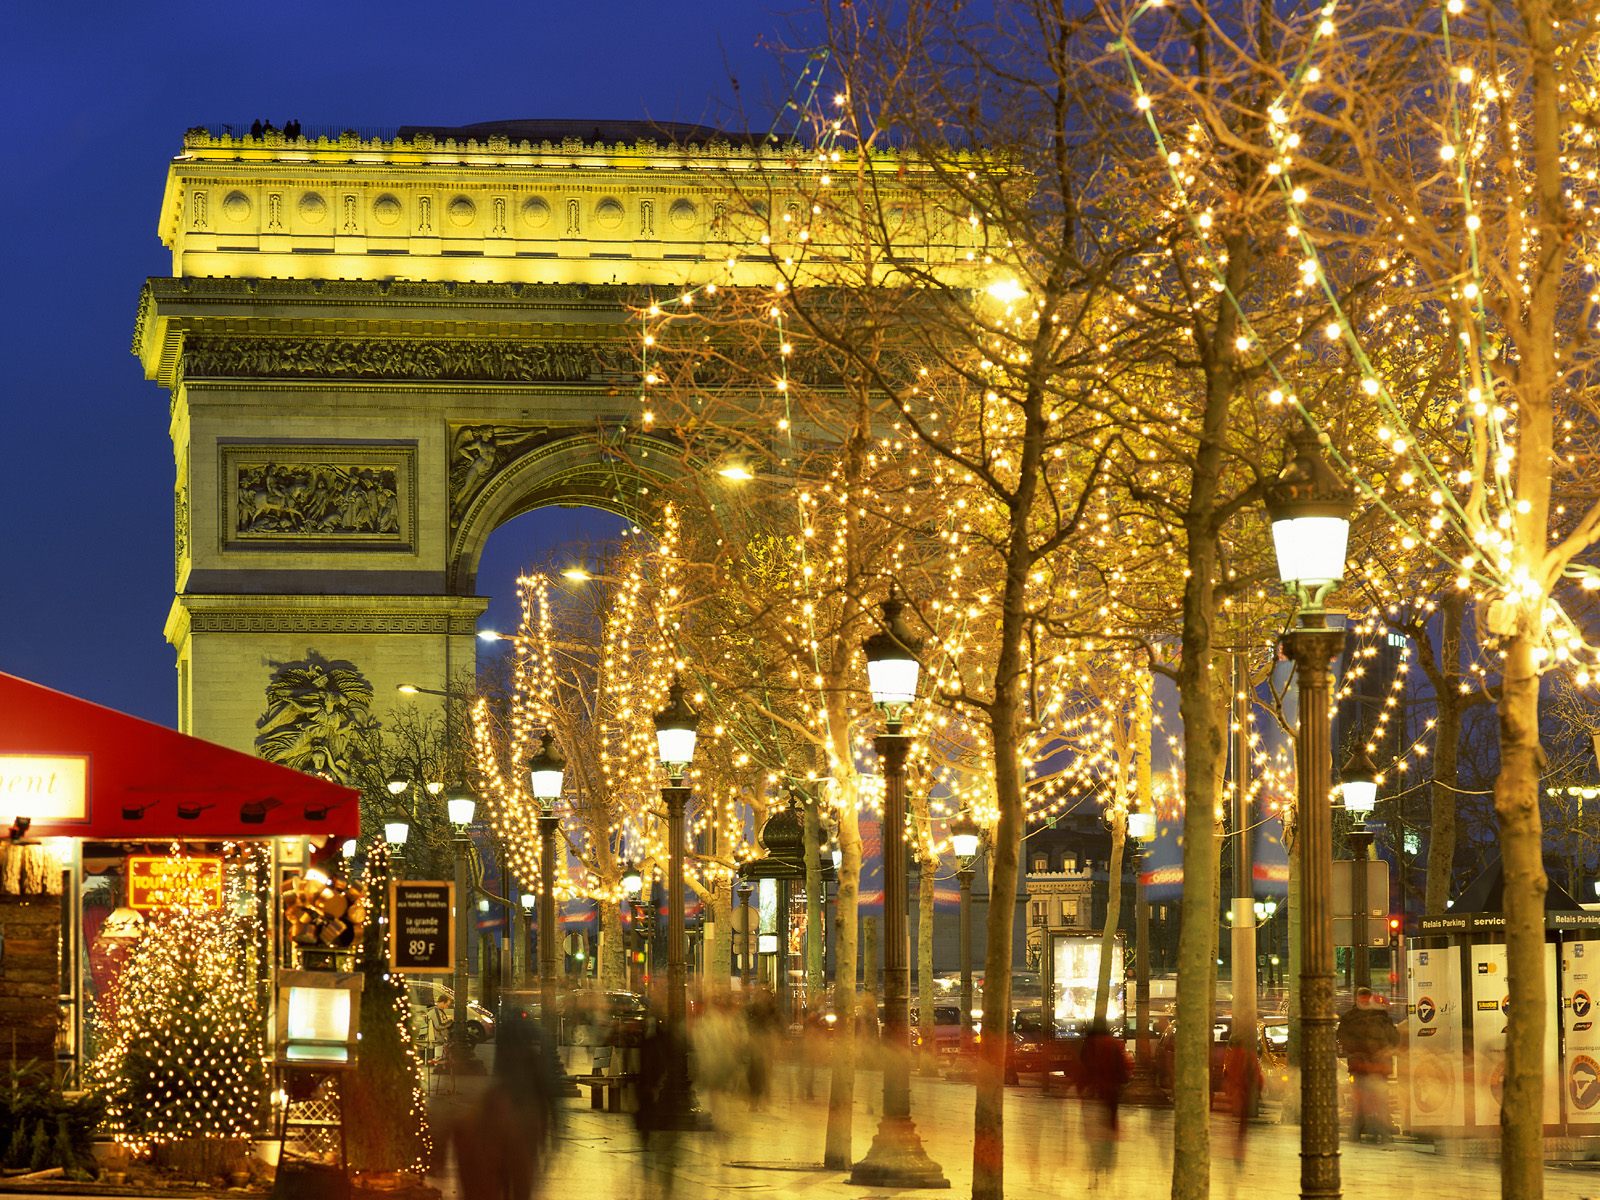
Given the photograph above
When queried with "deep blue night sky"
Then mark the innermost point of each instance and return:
(96, 99)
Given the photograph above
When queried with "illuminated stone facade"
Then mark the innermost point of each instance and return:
(380, 350)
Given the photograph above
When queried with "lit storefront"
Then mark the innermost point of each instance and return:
(108, 821)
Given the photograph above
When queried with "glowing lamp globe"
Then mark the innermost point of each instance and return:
(1142, 826)
(632, 881)
(892, 664)
(965, 836)
(1358, 783)
(527, 900)
(461, 808)
(1309, 507)
(396, 832)
(837, 855)
(675, 731)
(397, 783)
(545, 771)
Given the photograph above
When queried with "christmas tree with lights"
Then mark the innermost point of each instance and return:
(385, 1106)
(182, 1067)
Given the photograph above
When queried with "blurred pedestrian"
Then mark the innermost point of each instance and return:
(1367, 1039)
(661, 1114)
(1242, 1081)
(1103, 1073)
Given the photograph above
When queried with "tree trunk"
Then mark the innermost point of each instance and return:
(842, 1083)
(612, 954)
(1108, 934)
(1448, 709)
(816, 932)
(718, 962)
(926, 874)
(1516, 802)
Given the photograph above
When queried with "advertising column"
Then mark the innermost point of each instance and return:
(1490, 1002)
(1580, 991)
(1434, 1046)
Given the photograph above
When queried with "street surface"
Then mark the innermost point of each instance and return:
(778, 1152)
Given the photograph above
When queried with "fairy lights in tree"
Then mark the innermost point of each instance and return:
(182, 1053)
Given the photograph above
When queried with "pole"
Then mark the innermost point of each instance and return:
(781, 962)
(896, 1157)
(549, 824)
(1243, 940)
(1312, 645)
(677, 974)
(460, 1042)
(747, 975)
(1360, 956)
(964, 875)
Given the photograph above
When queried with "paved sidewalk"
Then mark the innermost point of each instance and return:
(778, 1152)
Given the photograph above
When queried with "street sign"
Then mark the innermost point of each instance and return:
(1377, 932)
(1377, 891)
(422, 937)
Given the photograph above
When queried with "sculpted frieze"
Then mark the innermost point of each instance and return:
(318, 498)
(358, 495)
(477, 452)
(396, 359)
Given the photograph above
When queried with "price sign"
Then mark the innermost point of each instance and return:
(421, 932)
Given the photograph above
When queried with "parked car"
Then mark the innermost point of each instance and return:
(598, 1018)
(945, 1037)
(480, 1021)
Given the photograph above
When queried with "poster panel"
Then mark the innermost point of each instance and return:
(1434, 1027)
(1490, 1003)
(1580, 992)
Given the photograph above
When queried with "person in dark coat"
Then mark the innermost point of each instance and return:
(1103, 1073)
(1367, 1039)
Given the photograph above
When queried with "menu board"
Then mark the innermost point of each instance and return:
(421, 932)
(157, 881)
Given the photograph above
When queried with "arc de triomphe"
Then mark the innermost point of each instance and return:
(379, 350)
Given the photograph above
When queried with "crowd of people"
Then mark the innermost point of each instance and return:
(672, 1084)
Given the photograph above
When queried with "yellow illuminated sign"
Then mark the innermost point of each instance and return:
(48, 789)
(156, 881)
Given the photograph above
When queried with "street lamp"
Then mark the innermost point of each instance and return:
(1143, 1087)
(461, 806)
(546, 776)
(896, 1157)
(1309, 507)
(747, 971)
(966, 837)
(676, 727)
(1358, 785)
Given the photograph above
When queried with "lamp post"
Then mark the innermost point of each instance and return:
(965, 838)
(530, 915)
(1143, 1087)
(546, 774)
(896, 1157)
(1310, 512)
(632, 887)
(746, 972)
(461, 807)
(395, 834)
(675, 738)
(1358, 785)
(1242, 941)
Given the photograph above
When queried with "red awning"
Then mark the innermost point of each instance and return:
(76, 769)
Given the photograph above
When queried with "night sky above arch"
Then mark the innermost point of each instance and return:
(96, 103)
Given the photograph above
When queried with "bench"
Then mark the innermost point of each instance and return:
(605, 1091)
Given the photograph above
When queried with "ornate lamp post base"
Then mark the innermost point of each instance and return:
(896, 1159)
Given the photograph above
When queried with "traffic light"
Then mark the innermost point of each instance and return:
(1396, 926)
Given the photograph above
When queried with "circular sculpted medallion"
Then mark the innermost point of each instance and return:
(236, 206)
(682, 215)
(312, 208)
(535, 212)
(461, 211)
(386, 210)
(608, 214)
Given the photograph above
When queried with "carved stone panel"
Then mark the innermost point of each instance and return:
(344, 495)
(478, 451)
(406, 359)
